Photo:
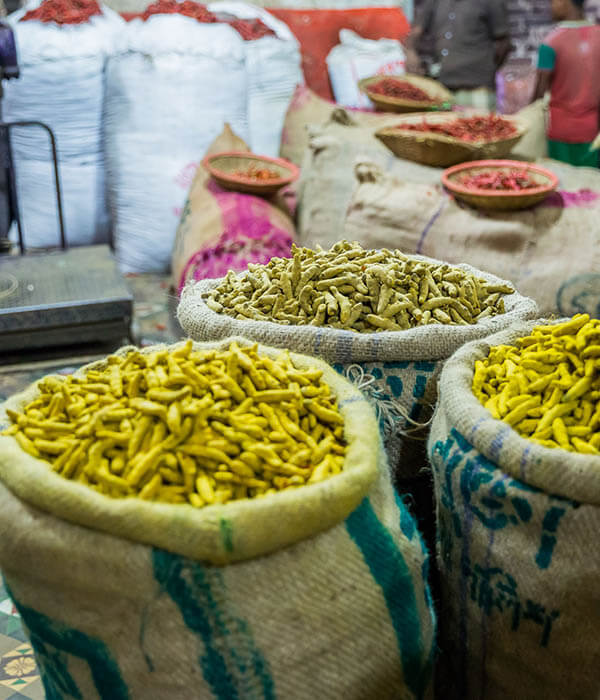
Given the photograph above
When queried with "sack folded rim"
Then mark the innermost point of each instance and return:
(424, 343)
(541, 467)
(221, 533)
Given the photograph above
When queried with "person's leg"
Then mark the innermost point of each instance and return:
(557, 150)
(586, 156)
(573, 153)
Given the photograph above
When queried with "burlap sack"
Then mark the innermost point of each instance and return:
(398, 370)
(307, 108)
(322, 592)
(534, 144)
(221, 230)
(518, 551)
(327, 182)
(550, 253)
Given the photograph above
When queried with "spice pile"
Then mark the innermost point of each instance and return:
(471, 129)
(248, 29)
(354, 289)
(63, 11)
(251, 29)
(187, 426)
(187, 8)
(400, 89)
(512, 181)
(254, 172)
(547, 386)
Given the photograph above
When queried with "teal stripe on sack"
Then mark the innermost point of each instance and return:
(45, 631)
(408, 524)
(232, 665)
(226, 534)
(391, 573)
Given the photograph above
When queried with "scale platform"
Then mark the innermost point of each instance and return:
(64, 297)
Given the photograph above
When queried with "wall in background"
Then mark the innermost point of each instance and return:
(529, 22)
(592, 8)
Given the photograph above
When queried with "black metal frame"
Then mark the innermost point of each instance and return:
(5, 128)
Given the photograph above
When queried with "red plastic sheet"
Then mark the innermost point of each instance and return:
(318, 32)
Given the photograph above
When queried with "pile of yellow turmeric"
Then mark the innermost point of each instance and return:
(187, 426)
(547, 386)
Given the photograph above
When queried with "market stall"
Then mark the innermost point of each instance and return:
(352, 447)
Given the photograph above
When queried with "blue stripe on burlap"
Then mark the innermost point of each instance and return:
(104, 670)
(232, 665)
(390, 571)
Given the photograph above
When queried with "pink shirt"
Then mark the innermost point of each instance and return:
(574, 50)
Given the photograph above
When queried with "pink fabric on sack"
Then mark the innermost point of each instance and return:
(249, 236)
(578, 198)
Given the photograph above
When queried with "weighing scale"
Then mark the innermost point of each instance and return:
(65, 297)
(62, 297)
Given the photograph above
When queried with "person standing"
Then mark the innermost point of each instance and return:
(470, 42)
(568, 61)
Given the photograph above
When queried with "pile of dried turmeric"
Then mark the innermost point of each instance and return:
(547, 386)
(187, 426)
(350, 288)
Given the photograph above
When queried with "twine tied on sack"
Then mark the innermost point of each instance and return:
(387, 410)
(341, 116)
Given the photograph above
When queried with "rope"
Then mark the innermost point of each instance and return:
(387, 410)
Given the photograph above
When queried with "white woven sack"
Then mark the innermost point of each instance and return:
(355, 58)
(144, 225)
(115, 619)
(518, 553)
(398, 370)
(169, 91)
(61, 84)
(83, 197)
(274, 71)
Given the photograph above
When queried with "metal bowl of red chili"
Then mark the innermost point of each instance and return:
(499, 184)
(246, 172)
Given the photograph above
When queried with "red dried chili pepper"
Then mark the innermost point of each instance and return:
(248, 29)
(513, 180)
(251, 29)
(400, 89)
(188, 8)
(488, 128)
(63, 11)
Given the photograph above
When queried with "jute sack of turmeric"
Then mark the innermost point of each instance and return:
(216, 517)
(384, 320)
(514, 448)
